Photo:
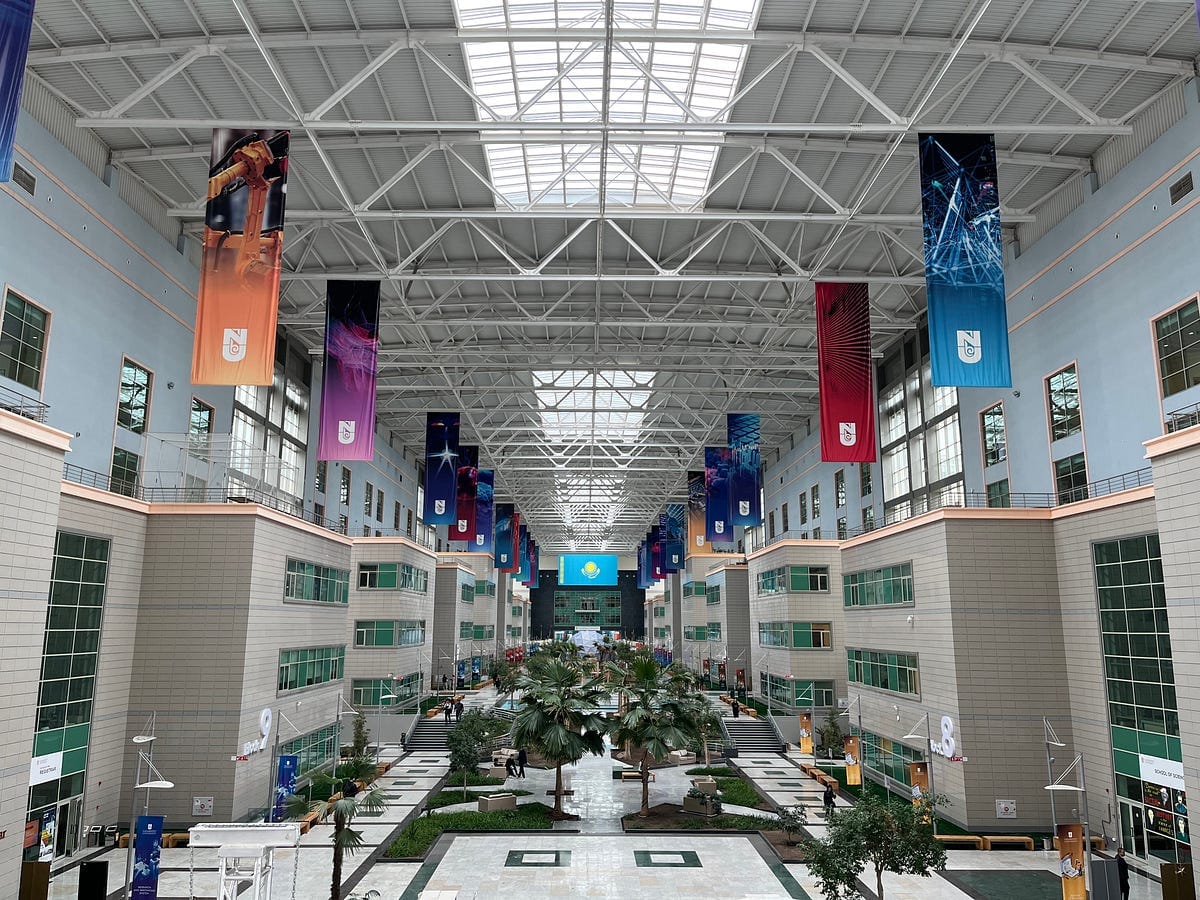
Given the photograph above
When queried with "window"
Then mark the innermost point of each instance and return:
(842, 531)
(312, 665)
(379, 505)
(368, 500)
(374, 691)
(803, 508)
(714, 631)
(408, 524)
(771, 525)
(1178, 345)
(466, 592)
(321, 584)
(868, 518)
(315, 749)
(712, 594)
(816, 533)
(389, 632)
(891, 420)
(888, 757)
(695, 632)
(343, 524)
(1070, 478)
(366, 531)
(322, 475)
(344, 495)
(1062, 395)
(124, 476)
(270, 422)
(466, 630)
(991, 425)
(816, 501)
(808, 579)
(864, 479)
(319, 513)
(839, 488)
(783, 519)
(23, 341)
(485, 588)
(201, 420)
(882, 669)
(945, 449)
(133, 404)
(997, 494)
(895, 471)
(878, 587)
(797, 635)
(396, 516)
(392, 576)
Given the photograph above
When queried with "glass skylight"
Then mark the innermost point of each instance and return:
(689, 83)
(578, 407)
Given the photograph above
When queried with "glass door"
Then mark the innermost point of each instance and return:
(1133, 835)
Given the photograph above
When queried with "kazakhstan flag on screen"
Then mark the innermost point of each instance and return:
(594, 569)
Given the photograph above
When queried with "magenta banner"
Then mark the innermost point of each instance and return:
(348, 387)
(463, 528)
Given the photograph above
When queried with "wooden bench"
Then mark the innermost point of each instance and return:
(497, 802)
(1098, 843)
(967, 840)
(1020, 840)
(308, 822)
(177, 839)
(635, 775)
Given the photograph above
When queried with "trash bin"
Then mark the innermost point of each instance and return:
(1047, 843)
(93, 880)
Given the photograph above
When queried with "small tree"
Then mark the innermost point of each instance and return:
(361, 736)
(792, 821)
(885, 835)
(831, 733)
(469, 740)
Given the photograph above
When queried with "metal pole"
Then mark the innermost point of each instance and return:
(132, 821)
(929, 753)
(1049, 773)
(270, 811)
(1087, 832)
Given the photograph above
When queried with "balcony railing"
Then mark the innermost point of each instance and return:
(19, 404)
(1183, 418)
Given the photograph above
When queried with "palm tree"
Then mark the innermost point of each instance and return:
(559, 715)
(343, 810)
(658, 714)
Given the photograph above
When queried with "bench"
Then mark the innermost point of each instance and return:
(635, 775)
(1020, 840)
(968, 840)
(177, 839)
(497, 802)
(308, 822)
(1097, 843)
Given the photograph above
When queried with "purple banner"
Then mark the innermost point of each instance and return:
(716, 495)
(467, 481)
(347, 429)
(441, 468)
(485, 494)
(16, 23)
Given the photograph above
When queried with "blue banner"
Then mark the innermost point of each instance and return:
(718, 529)
(657, 572)
(485, 495)
(285, 784)
(16, 22)
(673, 549)
(964, 261)
(441, 469)
(642, 581)
(503, 552)
(147, 849)
(745, 469)
(535, 561)
(523, 555)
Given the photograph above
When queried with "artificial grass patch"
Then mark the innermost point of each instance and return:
(455, 795)
(419, 836)
(737, 792)
(715, 771)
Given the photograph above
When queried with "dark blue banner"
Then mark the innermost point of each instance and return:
(673, 548)
(441, 469)
(643, 582)
(285, 784)
(147, 848)
(485, 495)
(718, 529)
(523, 555)
(466, 487)
(535, 561)
(657, 572)
(16, 22)
(745, 469)
(964, 261)
(503, 551)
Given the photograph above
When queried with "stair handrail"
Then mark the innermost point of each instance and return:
(775, 727)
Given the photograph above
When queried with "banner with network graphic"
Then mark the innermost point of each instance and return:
(441, 469)
(697, 531)
(16, 23)
(523, 567)
(643, 579)
(964, 261)
(673, 551)
(534, 555)
(347, 429)
(502, 552)
(466, 488)
(485, 515)
(238, 303)
(844, 366)
(717, 527)
(285, 784)
(745, 469)
(147, 854)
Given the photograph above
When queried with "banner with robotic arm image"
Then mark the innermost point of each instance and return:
(243, 245)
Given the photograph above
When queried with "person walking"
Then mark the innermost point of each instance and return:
(510, 767)
(445, 682)
(736, 707)
(458, 711)
(1123, 873)
(447, 708)
(522, 758)
(829, 801)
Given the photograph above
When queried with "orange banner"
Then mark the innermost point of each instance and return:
(853, 760)
(806, 735)
(1071, 862)
(918, 777)
(243, 244)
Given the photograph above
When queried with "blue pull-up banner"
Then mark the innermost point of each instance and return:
(16, 22)
(964, 261)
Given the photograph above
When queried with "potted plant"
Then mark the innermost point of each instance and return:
(697, 801)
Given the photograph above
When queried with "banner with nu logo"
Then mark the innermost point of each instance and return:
(673, 551)
(485, 496)
(964, 261)
(16, 24)
(348, 382)
(466, 491)
(243, 243)
(745, 469)
(504, 554)
(441, 469)
(847, 399)
(718, 528)
(697, 530)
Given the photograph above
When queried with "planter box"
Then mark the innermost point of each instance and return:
(497, 801)
(696, 805)
(708, 785)
(729, 752)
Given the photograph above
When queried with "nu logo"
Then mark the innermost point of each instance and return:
(346, 431)
(233, 345)
(439, 507)
(718, 527)
(462, 525)
(969, 349)
(479, 539)
(848, 432)
(743, 507)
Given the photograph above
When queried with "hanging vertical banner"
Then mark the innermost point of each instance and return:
(1070, 862)
(745, 469)
(673, 548)
(16, 23)
(847, 399)
(514, 564)
(642, 581)
(523, 555)
(853, 760)
(502, 552)
(806, 733)
(485, 491)
(918, 777)
(147, 850)
(697, 530)
(964, 261)
(441, 468)
(347, 430)
(285, 784)
(717, 527)
(243, 244)
(466, 487)
(535, 564)
(657, 571)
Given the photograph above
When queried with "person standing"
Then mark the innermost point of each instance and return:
(829, 801)
(736, 707)
(522, 758)
(458, 711)
(1123, 873)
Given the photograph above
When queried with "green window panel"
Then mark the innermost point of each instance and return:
(310, 666)
(76, 737)
(466, 630)
(897, 672)
(392, 576)
(879, 587)
(74, 761)
(316, 583)
(51, 741)
(712, 595)
(466, 593)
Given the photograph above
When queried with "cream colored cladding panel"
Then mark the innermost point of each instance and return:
(31, 460)
(107, 779)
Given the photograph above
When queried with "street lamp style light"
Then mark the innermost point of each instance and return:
(1080, 788)
(385, 695)
(158, 783)
(1051, 740)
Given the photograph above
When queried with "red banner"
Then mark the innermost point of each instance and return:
(844, 364)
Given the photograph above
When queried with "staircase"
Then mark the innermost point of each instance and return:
(752, 735)
(430, 734)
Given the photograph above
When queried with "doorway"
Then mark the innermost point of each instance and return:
(1133, 831)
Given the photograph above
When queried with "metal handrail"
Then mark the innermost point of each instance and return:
(1186, 417)
(20, 405)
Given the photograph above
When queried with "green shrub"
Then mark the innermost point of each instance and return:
(421, 833)
(715, 771)
(738, 792)
(723, 822)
